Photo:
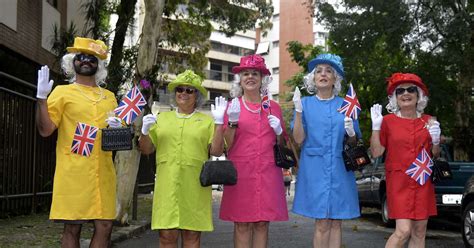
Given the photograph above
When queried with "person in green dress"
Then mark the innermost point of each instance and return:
(183, 140)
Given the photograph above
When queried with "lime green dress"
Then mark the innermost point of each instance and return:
(179, 200)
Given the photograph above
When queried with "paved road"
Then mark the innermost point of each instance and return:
(366, 232)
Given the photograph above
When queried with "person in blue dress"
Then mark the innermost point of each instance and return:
(324, 191)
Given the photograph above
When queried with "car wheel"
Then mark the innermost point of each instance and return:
(468, 226)
(384, 211)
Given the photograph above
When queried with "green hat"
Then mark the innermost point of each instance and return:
(188, 78)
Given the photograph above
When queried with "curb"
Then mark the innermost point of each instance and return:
(124, 233)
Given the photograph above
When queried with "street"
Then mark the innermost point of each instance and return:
(366, 232)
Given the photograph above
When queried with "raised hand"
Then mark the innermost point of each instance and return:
(218, 110)
(234, 110)
(275, 124)
(44, 84)
(376, 116)
(148, 121)
(297, 100)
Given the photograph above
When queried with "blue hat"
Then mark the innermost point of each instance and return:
(327, 58)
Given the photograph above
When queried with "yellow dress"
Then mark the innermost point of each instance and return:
(179, 200)
(84, 187)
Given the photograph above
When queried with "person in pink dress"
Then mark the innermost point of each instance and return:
(404, 135)
(258, 197)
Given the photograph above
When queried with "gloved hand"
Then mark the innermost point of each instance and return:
(148, 121)
(233, 111)
(44, 84)
(297, 100)
(275, 124)
(349, 126)
(218, 110)
(114, 122)
(376, 116)
(435, 132)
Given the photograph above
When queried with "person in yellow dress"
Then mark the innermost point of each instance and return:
(84, 181)
(183, 140)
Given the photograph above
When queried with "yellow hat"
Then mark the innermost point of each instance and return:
(89, 46)
(188, 78)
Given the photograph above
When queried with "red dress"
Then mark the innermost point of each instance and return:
(403, 140)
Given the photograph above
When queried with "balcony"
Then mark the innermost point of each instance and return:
(219, 76)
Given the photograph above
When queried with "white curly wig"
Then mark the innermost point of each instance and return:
(67, 64)
(236, 89)
(310, 86)
(392, 106)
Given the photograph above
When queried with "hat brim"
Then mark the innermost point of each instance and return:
(238, 69)
(313, 63)
(172, 86)
(86, 51)
(422, 86)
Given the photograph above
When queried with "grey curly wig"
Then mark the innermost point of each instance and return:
(67, 64)
(236, 89)
(310, 86)
(392, 106)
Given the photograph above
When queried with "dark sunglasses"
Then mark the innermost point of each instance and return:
(188, 91)
(411, 89)
(81, 57)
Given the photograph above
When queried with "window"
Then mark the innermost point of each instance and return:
(276, 70)
(276, 17)
(276, 44)
(216, 72)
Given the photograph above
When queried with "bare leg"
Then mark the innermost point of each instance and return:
(400, 236)
(418, 233)
(102, 233)
(71, 235)
(168, 238)
(191, 239)
(321, 233)
(335, 234)
(242, 234)
(260, 234)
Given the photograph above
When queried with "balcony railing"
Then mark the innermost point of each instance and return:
(219, 75)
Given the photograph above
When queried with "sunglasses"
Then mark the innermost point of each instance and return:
(188, 91)
(81, 57)
(411, 89)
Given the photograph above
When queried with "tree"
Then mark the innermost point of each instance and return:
(432, 38)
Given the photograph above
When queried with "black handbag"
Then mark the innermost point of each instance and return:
(218, 172)
(441, 171)
(284, 157)
(117, 139)
(355, 157)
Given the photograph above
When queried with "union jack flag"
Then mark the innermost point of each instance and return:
(351, 106)
(420, 169)
(84, 139)
(131, 105)
(266, 101)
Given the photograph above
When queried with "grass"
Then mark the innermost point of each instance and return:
(36, 230)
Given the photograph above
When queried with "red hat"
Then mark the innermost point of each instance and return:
(253, 61)
(399, 78)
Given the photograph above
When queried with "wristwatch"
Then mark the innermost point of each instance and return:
(233, 124)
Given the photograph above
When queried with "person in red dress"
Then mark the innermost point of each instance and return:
(404, 134)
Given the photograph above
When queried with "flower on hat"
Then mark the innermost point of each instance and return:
(398, 78)
(327, 58)
(89, 46)
(253, 61)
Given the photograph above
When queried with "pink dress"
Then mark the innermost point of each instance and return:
(259, 193)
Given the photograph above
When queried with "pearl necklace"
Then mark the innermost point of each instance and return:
(100, 93)
(250, 110)
(184, 116)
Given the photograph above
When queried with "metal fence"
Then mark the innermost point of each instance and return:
(26, 159)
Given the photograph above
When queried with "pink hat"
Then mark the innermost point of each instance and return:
(254, 61)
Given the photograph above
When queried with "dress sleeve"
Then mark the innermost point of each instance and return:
(56, 105)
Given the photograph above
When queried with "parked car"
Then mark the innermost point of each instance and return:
(468, 213)
(372, 188)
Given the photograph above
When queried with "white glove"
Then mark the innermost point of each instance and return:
(349, 126)
(148, 121)
(114, 122)
(435, 132)
(234, 110)
(218, 110)
(275, 124)
(376, 116)
(44, 84)
(297, 100)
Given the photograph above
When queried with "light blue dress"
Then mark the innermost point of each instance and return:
(324, 189)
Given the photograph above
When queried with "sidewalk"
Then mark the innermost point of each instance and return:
(37, 230)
